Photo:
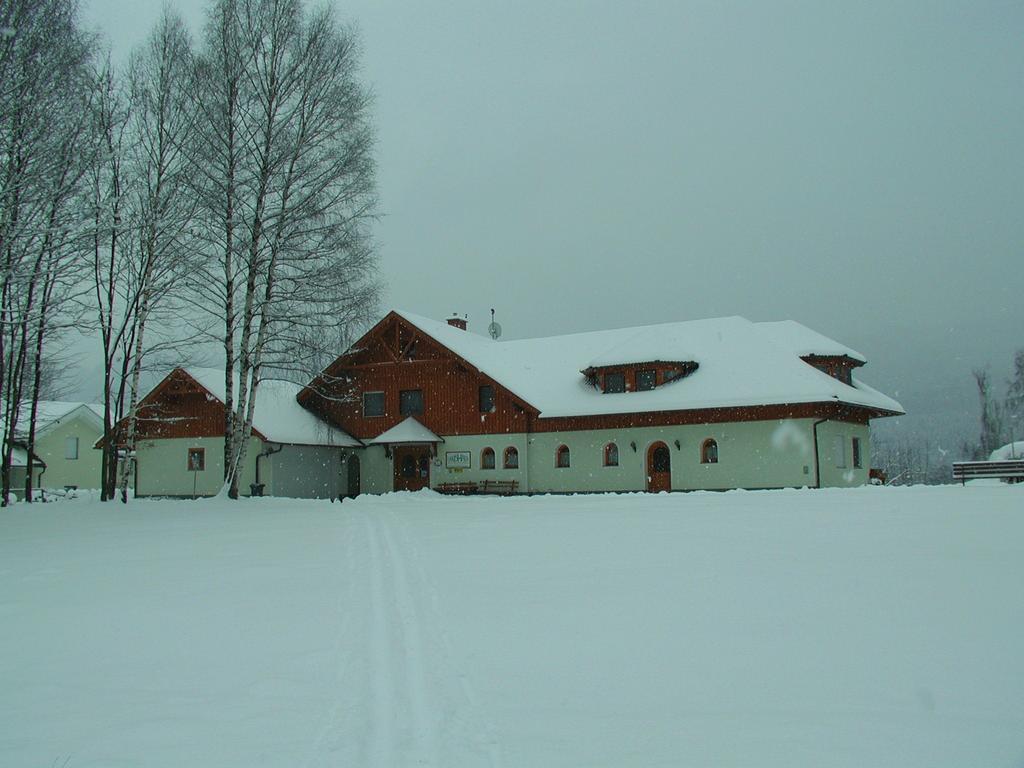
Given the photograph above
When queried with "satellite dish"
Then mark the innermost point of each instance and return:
(494, 329)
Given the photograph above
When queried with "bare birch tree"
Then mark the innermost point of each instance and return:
(114, 303)
(163, 207)
(43, 88)
(292, 199)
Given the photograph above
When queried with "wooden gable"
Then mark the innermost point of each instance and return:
(179, 407)
(395, 356)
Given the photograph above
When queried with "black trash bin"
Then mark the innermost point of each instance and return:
(256, 489)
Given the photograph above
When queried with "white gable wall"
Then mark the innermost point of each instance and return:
(83, 472)
(162, 467)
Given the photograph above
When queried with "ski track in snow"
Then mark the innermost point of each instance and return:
(486, 738)
(408, 704)
(333, 736)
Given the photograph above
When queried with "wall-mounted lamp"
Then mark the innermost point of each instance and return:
(632, 444)
(678, 446)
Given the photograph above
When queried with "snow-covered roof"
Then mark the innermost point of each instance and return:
(1009, 451)
(51, 412)
(408, 431)
(19, 457)
(278, 415)
(804, 342)
(741, 363)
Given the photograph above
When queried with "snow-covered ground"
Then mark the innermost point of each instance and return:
(868, 627)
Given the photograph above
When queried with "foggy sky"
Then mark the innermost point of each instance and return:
(581, 165)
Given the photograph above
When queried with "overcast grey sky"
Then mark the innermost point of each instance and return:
(578, 165)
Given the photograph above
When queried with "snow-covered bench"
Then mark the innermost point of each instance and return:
(460, 489)
(503, 487)
(1012, 470)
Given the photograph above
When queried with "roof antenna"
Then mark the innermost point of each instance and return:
(494, 328)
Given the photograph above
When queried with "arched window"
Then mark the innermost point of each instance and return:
(562, 457)
(611, 455)
(511, 458)
(487, 458)
(709, 452)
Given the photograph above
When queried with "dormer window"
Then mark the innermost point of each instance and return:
(614, 382)
(638, 377)
(839, 367)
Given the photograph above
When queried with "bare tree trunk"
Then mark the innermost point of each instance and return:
(128, 467)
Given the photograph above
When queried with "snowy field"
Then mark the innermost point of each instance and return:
(869, 627)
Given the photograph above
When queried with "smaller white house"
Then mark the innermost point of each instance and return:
(180, 441)
(64, 453)
(66, 434)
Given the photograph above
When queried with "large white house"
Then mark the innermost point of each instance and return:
(705, 404)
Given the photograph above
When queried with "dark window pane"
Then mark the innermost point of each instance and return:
(410, 402)
(672, 374)
(709, 452)
(408, 466)
(196, 459)
(646, 380)
(611, 455)
(511, 458)
(661, 459)
(562, 460)
(856, 452)
(614, 382)
(486, 398)
(373, 403)
(487, 459)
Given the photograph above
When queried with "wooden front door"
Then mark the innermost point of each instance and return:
(412, 467)
(659, 468)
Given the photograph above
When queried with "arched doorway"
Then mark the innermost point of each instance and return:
(353, 476)
(659, 468)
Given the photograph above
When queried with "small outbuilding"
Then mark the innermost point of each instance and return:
(180, 441)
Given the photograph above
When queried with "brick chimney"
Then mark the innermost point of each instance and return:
(458, 322)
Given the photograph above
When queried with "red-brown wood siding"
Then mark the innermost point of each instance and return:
(178, 407)
(450, 386)
(834, 411)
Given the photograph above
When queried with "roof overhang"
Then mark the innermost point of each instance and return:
(408, 432)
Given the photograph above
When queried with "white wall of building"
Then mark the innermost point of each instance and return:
(835, 445)
(752, 454)
(162, 467)
(52, 448)
(304, 471)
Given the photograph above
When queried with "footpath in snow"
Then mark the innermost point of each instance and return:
(865, 627)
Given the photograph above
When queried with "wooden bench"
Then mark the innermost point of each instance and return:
(1012, 470)
(457, 489)
(502, 487)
